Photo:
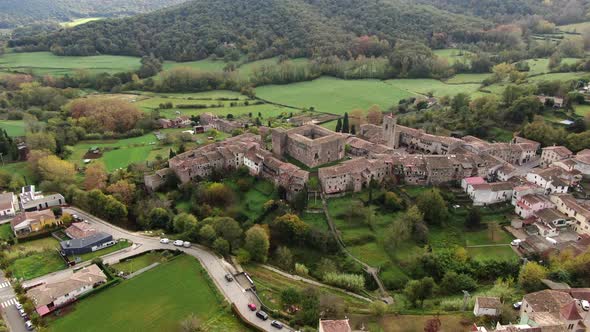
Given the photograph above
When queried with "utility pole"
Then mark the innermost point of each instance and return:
(466, 297)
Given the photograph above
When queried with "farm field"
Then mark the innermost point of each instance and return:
(453, 55)
(541, 66)
(13, 127)
(157, 300)
(467, 78)
(436, 87)
(45, 63)
(557, 76)
(333, 95)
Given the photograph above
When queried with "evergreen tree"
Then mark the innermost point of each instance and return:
(345, 124)
(339, 125)
(353, 129)
(172, 154)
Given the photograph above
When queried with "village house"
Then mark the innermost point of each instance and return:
(93, 242)
(34, 221)
(154, 181)
(312, 145)
(49, 296)
(340, 325)
(286, 175)
(8, 205)
(360, 148)
(487, 306)
(569, 206)
(552, 154)
(352, 175)
(550, 221)
(524, 189)
(490, 193)
(582, 160)
(210, 120)
(505, 172)
(80, 230)
(178, 122)
(558, 102)
(553, 309)
(552, 180)
(528, 204)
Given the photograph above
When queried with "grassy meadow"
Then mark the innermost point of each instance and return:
(453, 55)
(79, 21)
(430, 86)
(157, 300)
(13, 127)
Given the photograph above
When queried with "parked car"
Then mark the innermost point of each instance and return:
(517, 305)
(252, 306)
(22, 312)
(178, 243)
(585, 305)
(186, 244)
(29, 325)
(164, 241)
(262, 315)
(277, 324)
(516, 242)
(229, 277)
(18, 306)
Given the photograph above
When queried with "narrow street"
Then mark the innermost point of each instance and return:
(7, 302)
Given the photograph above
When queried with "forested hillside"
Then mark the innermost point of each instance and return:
(18, 12)
(258, 28)
(557, 11)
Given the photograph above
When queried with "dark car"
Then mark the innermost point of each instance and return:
(277, 324)
(262, 315)
(229, 277)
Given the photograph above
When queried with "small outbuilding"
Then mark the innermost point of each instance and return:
(487, 306)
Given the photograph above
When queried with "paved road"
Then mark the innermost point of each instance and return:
(216, 266)
(7, 302)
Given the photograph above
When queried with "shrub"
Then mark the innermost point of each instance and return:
(301, 270)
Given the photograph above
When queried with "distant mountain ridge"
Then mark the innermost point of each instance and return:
(266, 28)
(14, 13)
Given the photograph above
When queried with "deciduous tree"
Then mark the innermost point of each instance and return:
(257, 243)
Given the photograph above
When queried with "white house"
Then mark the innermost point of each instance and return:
(527, 205)
(552, 154)
(253, 162)
(490, 193)
(42, 202)
(49, 296)
(466, 182)
(487, 306)
(549, 179)
(8, 205)
(569, 206)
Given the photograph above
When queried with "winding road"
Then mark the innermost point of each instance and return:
(216, 266)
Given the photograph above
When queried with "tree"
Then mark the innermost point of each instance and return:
(339, 125)
(150, 66)
(375, 115)
(159, 218)
(98, 114)
(411, 59)
(221, 246)
(401, 229)
(284, 258)
(289, 297)
(41, 141)
(95, 176)
(207, 234)
(183, 222)
(229, 229)
(353, 129)
(453, 283)
(345, 124)
(530, 276)
(51, 168)
(289, 228)
(473, 219)
(433, 206)
(122, 190)
(419, 290)
(257, 243)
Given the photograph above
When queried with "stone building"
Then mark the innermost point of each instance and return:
(310, 144)
(552, 154)
(352, 175)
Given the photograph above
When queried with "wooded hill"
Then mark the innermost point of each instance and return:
(14, 13)
(258, 28)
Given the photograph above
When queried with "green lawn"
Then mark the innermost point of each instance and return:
(6, 232)
(333, 95)
(36, 265)
(122, 244)
(137, 263)
(44, 63)
(38, 245)
(13, 127)
(437, 88)
(157, 300)
(582, 110)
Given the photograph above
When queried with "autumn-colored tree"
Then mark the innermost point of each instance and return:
(357, 117)
(374, 115)
(51, 168)
(96, 176)
(530, 276)
(122, 190)
(102, 114)
(432, 325)
(41, 141)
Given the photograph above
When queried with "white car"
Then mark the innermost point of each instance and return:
(164, 241)
(585, 305)
(186, 244)
(178, 243)
(18, 306)
(517, 305)
(29, 325)
(516, 242)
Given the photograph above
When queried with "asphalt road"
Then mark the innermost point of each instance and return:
(7, 302)
(216, 266)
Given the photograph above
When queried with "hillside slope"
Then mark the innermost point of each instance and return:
(18, 12)
(259, 28)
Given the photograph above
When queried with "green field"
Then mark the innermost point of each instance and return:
(34, 258)
(333, 95)
(468, 78)
(582, 110)
(558, 77)
(157, 300)
(13, 127)
(20, 168)
(437, 88)
(45, 63)
(576, 27)
(6, 232)
(136, 263)
(79, 21)
(453, 55)
(541, 66)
